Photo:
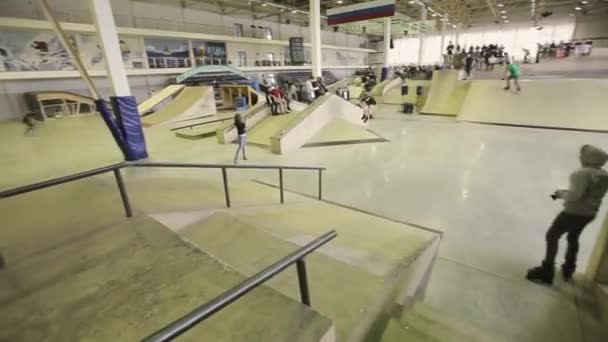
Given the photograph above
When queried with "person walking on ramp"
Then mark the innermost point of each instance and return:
(513, 73)
(582, 200)
(241, 128)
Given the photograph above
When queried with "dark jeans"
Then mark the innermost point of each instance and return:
(274, 107)
(565, 223)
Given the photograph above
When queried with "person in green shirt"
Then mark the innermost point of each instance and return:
(513, 74)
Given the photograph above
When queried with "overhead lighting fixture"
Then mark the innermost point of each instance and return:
(411, 2)
(584, 2)
(504, 17)
(503, 12)
(294, 11)
(434, 14)
(577, 8)
(506, 21)
(339, 2)
(501, 5)
(264, 4)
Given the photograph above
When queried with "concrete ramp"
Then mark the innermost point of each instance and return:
(340, 132)
(191, 102)
(446, 95)
(308, 122)
(159, 97)
(566, 104)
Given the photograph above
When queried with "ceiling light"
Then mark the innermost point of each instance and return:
(503, 12)
(411, 2)
(584, 2)
(577, 8)
(501, 5)
(339, 2)
(434, 14)
(506, 21)
(264, 4)
(504, 17)
(294, 11)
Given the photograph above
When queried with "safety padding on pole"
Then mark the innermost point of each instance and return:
(384, 74)
(113, 126)
(125, 108)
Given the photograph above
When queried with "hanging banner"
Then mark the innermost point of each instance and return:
(361, 11)
(296, 50)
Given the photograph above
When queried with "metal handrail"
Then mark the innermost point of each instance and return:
(200, 123)
(201, 313)
(123, 191)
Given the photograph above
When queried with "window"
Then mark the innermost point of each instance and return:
(267, 33)
(238, 30)
(242, 58)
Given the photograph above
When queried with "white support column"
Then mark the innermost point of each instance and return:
(191, 54)
(108, 38)
(315, 36)
(422, 35)
(387, 41)
(442, 50)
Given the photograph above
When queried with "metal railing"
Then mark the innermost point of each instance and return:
(115, 168)
(201, 313)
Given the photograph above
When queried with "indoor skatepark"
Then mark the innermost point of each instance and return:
(428, 221)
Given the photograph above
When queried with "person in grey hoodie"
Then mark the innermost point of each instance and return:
(582, 200)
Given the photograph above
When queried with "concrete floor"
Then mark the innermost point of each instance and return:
(486, 187)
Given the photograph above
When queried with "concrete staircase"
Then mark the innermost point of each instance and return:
(97, 276)
(125, 281)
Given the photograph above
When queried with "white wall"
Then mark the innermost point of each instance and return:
(514, 37)
(168, 15)
(594, 28)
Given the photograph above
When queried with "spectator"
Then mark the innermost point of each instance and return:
(309, 90)
(293, 92)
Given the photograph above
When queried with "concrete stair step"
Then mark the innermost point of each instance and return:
(125, 281)
(397, 332)
(444, 327)
(344, 286)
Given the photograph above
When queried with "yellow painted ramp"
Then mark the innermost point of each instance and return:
(271, 125)
(159, 97)
(566, 103)
(186, 101)
(446, 95)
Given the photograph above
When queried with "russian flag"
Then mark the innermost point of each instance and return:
(362, 11)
